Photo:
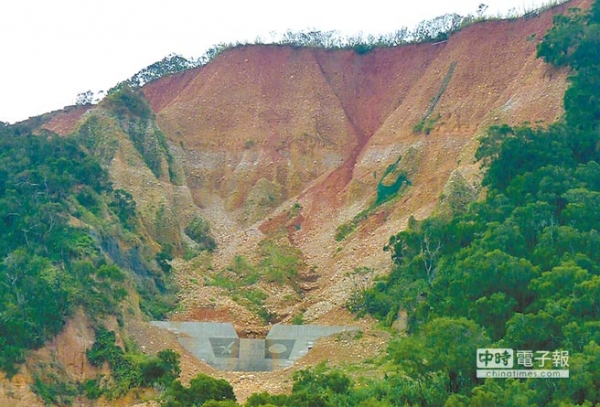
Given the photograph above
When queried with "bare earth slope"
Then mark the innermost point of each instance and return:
(262, 127)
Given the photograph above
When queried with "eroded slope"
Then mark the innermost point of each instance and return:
(263, 127)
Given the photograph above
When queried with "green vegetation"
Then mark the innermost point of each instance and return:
(280, 264)
(203, 391)
(128, 101)
(427, 123)
(320, 387)
(169, 65)
(296, 209)
(519, 269)
(457, 196)
(393, 180)
(164, 257)
(68, 241)
(124, 207)
(241, 273)
(129, 368)
(254, 300)
(298, 319)
(53, 389)
(199, 231)
(48, 267)
(438, 29)
(345, 229)
(136, 119)
(96, 136)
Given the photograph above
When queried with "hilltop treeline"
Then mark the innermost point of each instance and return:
(437, 29)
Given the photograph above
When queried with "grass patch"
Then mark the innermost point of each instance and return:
(298, 319)
(280, 264)
(427, 123)
(295, 211)
(346, 229)
(393, 180)
(240, 273)
(255, 296)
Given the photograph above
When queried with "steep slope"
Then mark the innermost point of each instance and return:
(262, 127)
(233, 136)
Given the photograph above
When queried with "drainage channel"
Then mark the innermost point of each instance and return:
(217, 344)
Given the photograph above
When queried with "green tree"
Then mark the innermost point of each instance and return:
(446, 345)
(199, 231)
(85, 98)
(202, 389)
(162, 369)
(561, 41)
(35, 304)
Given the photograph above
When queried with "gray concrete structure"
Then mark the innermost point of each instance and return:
(217, 344)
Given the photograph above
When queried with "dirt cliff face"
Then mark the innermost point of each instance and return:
(286, 116)
(261, 127)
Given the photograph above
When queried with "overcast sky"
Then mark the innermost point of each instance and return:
(51, 50)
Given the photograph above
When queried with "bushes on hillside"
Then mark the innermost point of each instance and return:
(202, 388)
(129, 369)
(199, 231)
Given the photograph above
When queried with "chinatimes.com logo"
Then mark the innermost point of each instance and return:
(522, 364)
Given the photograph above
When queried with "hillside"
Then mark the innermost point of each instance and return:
(303, 162)
(263, 127)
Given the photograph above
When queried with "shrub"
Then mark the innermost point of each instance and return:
(343, 230)
(127, 101)
(280, 264)
(130, 369)
(53, 390)
(164, 257)
(298, 319)
(202, 389)
(162, 369)
(199, 231)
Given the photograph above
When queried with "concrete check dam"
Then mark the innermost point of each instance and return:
(218, 344)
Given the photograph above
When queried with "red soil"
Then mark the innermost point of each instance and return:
(271, 95)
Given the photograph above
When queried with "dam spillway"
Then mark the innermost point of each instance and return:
(218, 344)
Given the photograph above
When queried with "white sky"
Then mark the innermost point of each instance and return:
(51, 50)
